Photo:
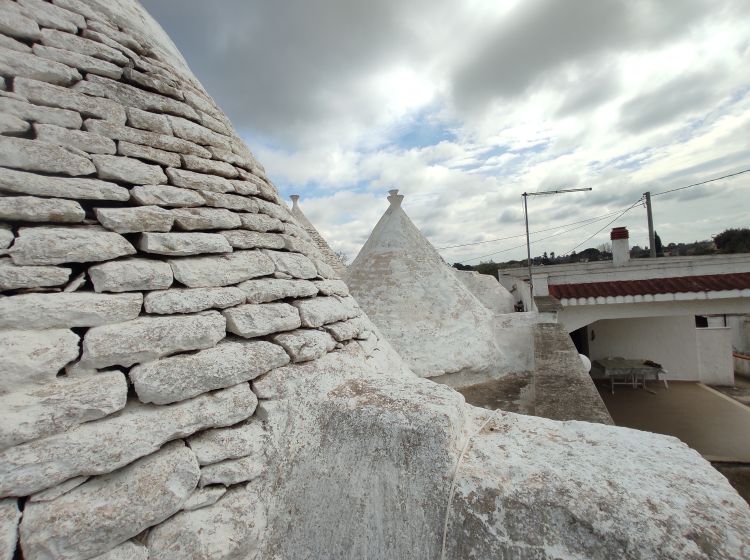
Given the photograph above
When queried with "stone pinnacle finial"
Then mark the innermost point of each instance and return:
(295, 198)
(394, 198)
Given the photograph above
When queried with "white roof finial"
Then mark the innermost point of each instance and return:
(394, 198)
(295, 198)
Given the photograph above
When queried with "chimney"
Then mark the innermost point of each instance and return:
(394, 198)
(620, 246)
(295, 198)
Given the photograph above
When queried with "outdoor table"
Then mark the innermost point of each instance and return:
(622, 371)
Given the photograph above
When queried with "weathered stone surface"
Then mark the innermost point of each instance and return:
(101, 446)
(12, 44)
(222, 270)
(16, 24)
(252, 320)
(73, 309)
(189, 130)
(244, 239)
(246, 439)
(105, 511)
(149, 338)
(33, 209)
(121, 38)
(74, 43)
(297, 245)
(148, 82)
(232, 471)
(130, 275)
(32, 155)
(245, 187)
(280, 213)
(230, 201)
(49, 15)
(129, 550)
(231, 157)
(332, 287)
(85, 141)
(270, 289)
(10, 124)
(183, 244)
(55, 245)
(13, 277)
(343, 330)
(80, 61)
(10, 516)
(198, 181)
(155, 122)
(37, 411)
(192, 300)
(50, 95)
(293, 264)
(230, 529)
(137, 136)
(211, 166)
(85, 189)
(202, 497)
(56, 491)
(15, 63)
(78, 7)
(206, 218)
(324, 269)
(46, 115)
(180, 377)
(33, 357)
(296, 231)
(303, 345)
(138, 219)
(128, 170)
(163, 157)
(6, 237)
(319, 311)
(164, 195)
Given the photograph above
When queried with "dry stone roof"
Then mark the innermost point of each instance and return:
(329, 255)
(182, 376)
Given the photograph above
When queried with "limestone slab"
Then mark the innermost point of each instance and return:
(12, 44)
(75, 43)
(293, 264)
(148, 338)
(21, 182)
(41, 93)
(34, 209)
(10, 516)
(6, 236)
(56, 491)
(184, 243)
(211, 166)
(16, 24)
(189, 130)
(67, 309)
(56, 245)
(343, 330)
(253, 320)
(24, 64)
(38, 114)
(231, 157)
(80, 61)
(264, 290)
(49, 15)
(278, 212)
(324, 269)
(230, 201)
(85, 141)
(34, 357)
(245, 187)
(104, 445)
(38, 411)
(230, 529)
(261, 222)
(32, 155)
(206, 218)
(183, 376)
(10, 124)
(319, 311)
(232, 471)
(248, 438)
(165, 195)
(303, 345)
(198, 181)
(155, 122)
(128, 275)
(129, 550)
(137, 136)
(136, 219)
(192, 300)
(128, 170)
(148, 82)
(332, 287)
(13, 277)
(162, 157)
(245, 239)
(221, 270)
(202, 497)
(105, 511)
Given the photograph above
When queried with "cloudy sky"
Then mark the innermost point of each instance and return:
(465, 105)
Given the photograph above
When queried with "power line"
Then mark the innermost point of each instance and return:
(702, 182)
(636, 203)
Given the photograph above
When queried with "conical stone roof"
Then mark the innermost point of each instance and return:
(433, 320)
(328, 254)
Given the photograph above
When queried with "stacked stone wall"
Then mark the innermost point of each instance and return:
(149, 274)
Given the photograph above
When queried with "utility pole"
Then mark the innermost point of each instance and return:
(651, 234)
(526, 216)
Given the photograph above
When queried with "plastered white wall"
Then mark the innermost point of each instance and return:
(715, 355)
